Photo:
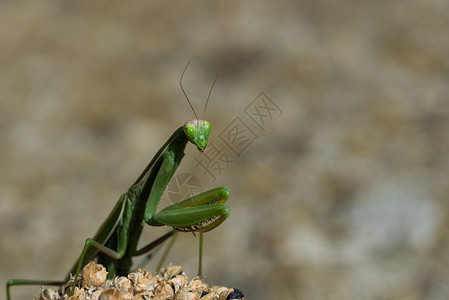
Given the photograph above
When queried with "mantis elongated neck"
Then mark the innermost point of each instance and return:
(161, 172)
(177, 139)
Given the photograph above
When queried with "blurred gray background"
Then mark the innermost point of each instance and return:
(343, 195)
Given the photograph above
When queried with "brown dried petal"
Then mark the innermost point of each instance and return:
(49, 294)
(96, 294)
(110, 294)
(163, 291)
(172, 271)
(222, 291)
(210, 296)
(123, 284)
(198, 286)
(218, 289)
(144, 296)
(126, 296)
(160, 297)
(94, 274)
(143, 281)
(186, 294)
(109, 284)
(170, 285)
(79, 294)
(178, 282)
(143, 272)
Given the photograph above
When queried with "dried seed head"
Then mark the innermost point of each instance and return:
(218, 289)
(144, 296)
(164, 291)
(123, 284)
(198, 286)
(209, 296)
(49, 294)
(172, 271)
(186, 294)
(110, 294)
(79, 294)
(143, 280)
(95, 295)
(172, 284)
(178, 282)
(109, 284)
(143, 272)
(159, 297)
(94, 274)
(223, 292)
(126, 296)
(227, 293)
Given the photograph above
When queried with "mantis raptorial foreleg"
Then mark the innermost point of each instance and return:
(116, 241)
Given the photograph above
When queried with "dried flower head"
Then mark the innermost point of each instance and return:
(144, 296)
(143, 280)
(172, 271)
(186, 294)
(198, 286)
(227, 293)
(172, 284)
(209, 296)
(95, 294)
(126, 296)
(110, 294)
(94, 274)
(79, 294)
(178, 282)
(123, 284)
(164, 291)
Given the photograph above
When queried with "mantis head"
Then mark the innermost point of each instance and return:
(197, 132)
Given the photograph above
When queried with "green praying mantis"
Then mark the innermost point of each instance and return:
(116, 242)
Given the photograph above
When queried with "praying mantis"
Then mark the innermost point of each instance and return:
(115, 243)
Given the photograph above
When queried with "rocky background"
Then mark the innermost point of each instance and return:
(341, 193)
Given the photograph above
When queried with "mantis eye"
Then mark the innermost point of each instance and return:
(190, 130)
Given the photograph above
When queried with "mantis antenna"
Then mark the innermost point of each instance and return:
(180, 83)
(210, 92)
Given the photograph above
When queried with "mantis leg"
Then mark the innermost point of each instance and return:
(200, 213)
(13, 282)
(109, 227)
(105, 231)
(155, 243)
(116, 254)
(147, 257)
(102, 248)
(200, 259)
